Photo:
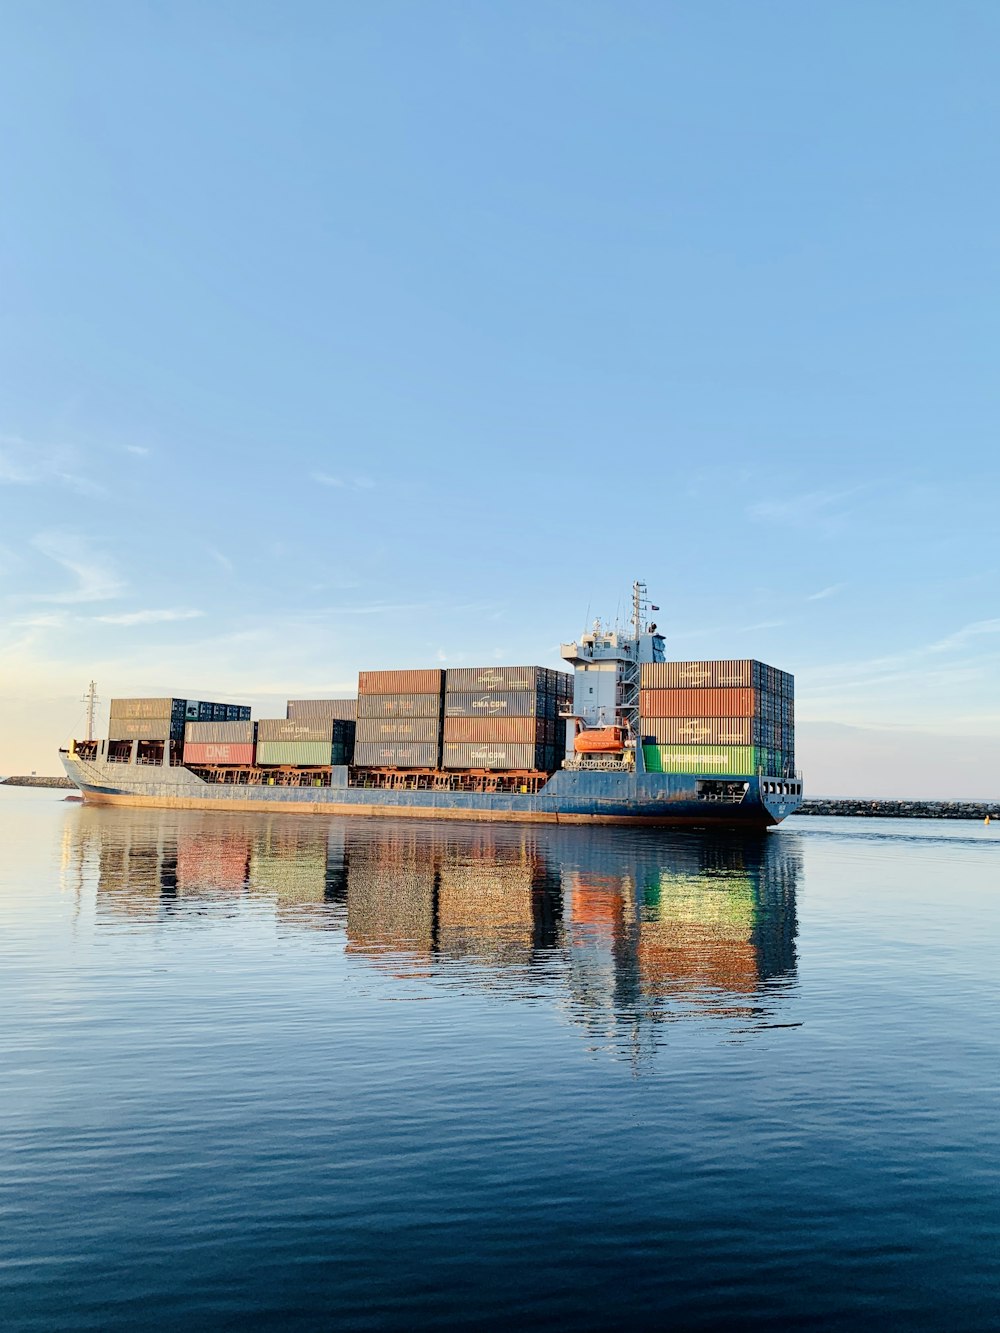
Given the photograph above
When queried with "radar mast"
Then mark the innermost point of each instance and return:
(91, 700)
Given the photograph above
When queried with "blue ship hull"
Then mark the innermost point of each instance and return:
(655, 800)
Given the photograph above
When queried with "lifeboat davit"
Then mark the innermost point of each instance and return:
(599, 740)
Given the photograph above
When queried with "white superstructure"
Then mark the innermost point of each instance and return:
(606, 669)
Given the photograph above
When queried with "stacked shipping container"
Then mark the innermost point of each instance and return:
(308, 710)
(399, 719)
(219, 742)
(304, 744)
(505, 718)
(165, 719)
(731, 718)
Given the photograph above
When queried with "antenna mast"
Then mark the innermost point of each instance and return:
(639, 608)
(629, 680)
(91, 700)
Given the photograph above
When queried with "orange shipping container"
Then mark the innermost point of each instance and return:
(698, 703)
(397, 729)
(518, 730)
(711, 731)
(399, 705)
(400, 682)
(734, 674)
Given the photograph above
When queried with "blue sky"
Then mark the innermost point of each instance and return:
(338, 336)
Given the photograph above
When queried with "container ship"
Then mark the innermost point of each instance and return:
(626, 737)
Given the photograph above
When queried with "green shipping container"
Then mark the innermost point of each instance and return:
(299, 753)
(728, 760)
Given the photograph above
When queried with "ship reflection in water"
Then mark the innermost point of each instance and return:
(628, 932)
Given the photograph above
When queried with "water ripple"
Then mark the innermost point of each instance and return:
(294, 1073)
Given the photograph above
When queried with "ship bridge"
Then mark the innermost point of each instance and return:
(606, 664)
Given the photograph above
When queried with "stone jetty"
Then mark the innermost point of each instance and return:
(902, 809)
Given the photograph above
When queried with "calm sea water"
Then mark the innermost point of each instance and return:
(282, 1072)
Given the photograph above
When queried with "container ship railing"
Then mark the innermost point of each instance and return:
(376, 779)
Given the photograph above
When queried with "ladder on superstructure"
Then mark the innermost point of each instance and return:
(628, 708)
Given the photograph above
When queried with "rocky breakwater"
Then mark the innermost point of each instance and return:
(903, 809)
(34, 781)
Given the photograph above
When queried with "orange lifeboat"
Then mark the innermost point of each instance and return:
(600, 740)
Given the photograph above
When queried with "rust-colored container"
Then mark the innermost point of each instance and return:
(741, 673)
(395, 754)
(708, 730)
(399, 705)
(495, 755)
(309, 710)
(514, 730)
(400, 682)
(289, 729)
(698, 702)
(514, 703)
(219, 733)
(144, 708)
(478, 680)
(217, 752)
(139, 729)
(397, 729)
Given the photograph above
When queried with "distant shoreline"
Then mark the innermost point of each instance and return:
(33, 781)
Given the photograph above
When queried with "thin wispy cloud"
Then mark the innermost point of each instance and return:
(373, 609)
(97, 580)
(335, 585)
(824, 593)
(824, 511)
(958, 642)
(139, 450)
(978, 629)
(221, 559)
(361, 483)
(481, 610)
(24, 463)
(149, 617)
(719, 631)
(928, 680)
